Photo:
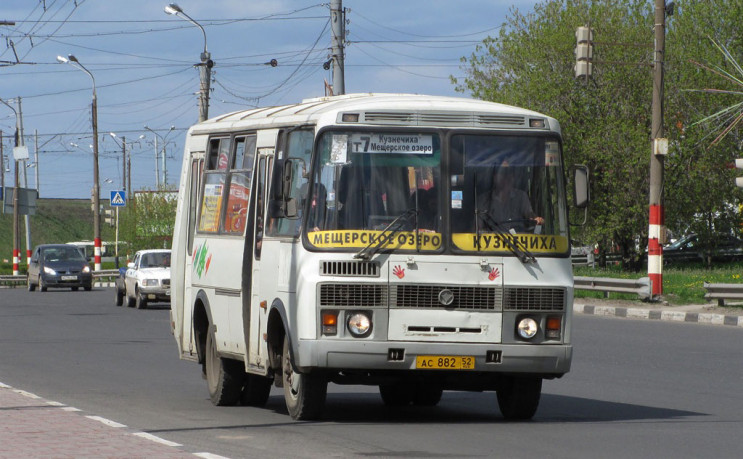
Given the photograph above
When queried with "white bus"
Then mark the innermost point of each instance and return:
(414, 243)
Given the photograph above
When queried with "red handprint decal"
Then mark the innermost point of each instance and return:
(494, 274)
(399, 272)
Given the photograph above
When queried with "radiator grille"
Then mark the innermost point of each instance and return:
(534, 299)
(349, 268)
(427, 296)
(353, 295)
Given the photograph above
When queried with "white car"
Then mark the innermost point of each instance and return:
(147, 279)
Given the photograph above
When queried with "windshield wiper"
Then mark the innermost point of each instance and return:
(376, 244)
(523, 254)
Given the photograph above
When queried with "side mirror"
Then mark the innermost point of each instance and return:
(130, 265)
(581, 193)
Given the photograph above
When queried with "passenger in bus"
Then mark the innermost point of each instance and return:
(316, 208)
(507, 205)
(428, 209)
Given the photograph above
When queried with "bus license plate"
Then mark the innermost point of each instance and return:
(445, 362)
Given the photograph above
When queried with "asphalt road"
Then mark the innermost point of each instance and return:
(637, 389)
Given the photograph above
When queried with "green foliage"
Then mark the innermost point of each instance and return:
(148, 220)
(606, 120)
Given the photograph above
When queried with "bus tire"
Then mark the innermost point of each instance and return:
(396, 394)
(304, 393)
(256, 390)
(224, 377)
(518, 397)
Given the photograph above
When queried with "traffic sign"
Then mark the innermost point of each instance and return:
(118, 198)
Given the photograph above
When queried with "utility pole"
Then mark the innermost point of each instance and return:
(123, 166)
(36, 161)
(157, 163)
(26, 217)
(165, 165)
(656, 230)
(338, 29)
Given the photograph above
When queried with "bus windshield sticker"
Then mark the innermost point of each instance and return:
(402, 240)
(339, 152)
(409, 144)
(456, 199)
(489, 242)
(551, 154)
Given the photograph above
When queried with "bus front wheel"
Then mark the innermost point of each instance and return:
(304, 393)
(518, 397)
(224, 377)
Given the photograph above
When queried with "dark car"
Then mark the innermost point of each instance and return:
(687, 249)
(60, 266)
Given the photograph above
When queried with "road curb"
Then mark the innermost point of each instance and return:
(659, 314)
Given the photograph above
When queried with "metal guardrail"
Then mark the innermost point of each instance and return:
(722, 292)
(12, 280)
(642, 287)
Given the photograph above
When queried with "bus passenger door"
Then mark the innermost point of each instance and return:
(256, 348)
(196, 174)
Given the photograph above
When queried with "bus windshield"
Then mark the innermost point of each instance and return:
(507, 187)
(385, 190)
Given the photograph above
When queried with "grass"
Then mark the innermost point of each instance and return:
(681, 285)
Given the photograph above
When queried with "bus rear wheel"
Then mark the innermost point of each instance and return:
(304, 393)
(518, 397)
(224, 377)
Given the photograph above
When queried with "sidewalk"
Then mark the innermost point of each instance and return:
(710, 314)
(31, 427)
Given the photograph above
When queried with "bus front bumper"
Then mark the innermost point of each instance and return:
(547, 360)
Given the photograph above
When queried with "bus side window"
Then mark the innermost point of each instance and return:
(297, 147)
(238, 186)
(214, 184)
(197, 166)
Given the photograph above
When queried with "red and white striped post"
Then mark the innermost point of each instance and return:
(16, 260)
(655, 250)
(97, 253)
(28, 257)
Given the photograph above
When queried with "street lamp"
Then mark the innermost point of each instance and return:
(72, 60)
(205, 67)
(157, 155)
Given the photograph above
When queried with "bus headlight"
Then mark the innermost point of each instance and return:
(359, 324)
(527, 328)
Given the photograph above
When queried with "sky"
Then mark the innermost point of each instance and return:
(143, 60)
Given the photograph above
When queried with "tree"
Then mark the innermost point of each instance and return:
(701, 165)
(606, 121)
(149, 219)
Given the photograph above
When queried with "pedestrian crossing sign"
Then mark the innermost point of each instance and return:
(118, 198)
